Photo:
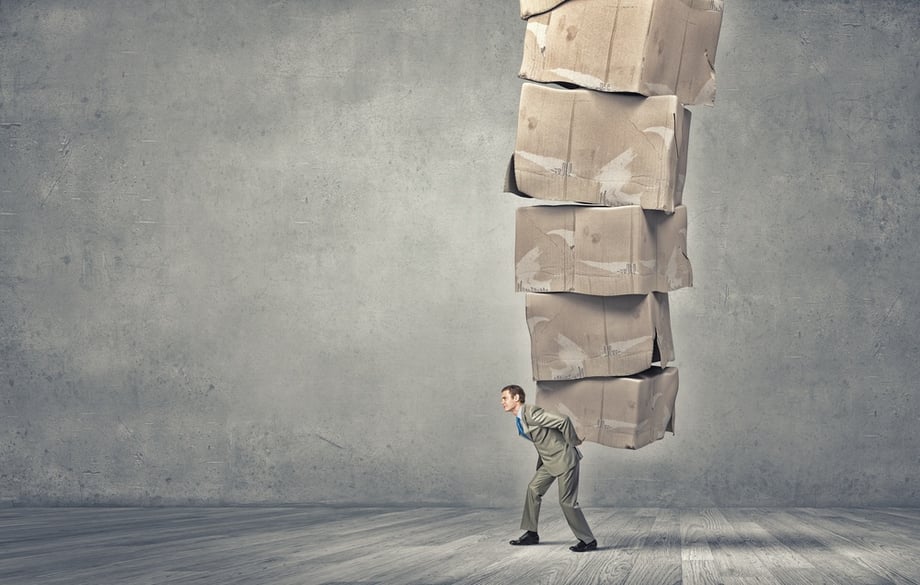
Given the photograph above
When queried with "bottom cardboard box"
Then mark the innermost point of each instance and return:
(625, 412)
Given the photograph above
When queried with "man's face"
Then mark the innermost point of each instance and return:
(509, 403)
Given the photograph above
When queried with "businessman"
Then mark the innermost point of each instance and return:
(558, 458)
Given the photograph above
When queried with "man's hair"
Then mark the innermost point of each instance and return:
(515, 390)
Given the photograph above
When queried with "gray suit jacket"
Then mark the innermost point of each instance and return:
(554, 437)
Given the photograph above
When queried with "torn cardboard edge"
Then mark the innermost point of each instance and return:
(536, 7)
(622, 412)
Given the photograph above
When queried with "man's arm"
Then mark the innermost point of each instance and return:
(542, 418)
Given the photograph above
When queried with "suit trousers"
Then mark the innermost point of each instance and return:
(568, 500)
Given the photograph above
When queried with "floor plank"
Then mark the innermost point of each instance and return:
(735, 554)
(783, 562)
(819, 547)
(659, 558)
(886, 552)
(698, 566)
(620, 539)
(323, 545)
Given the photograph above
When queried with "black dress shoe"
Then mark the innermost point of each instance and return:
(582, 547)
(529, 537)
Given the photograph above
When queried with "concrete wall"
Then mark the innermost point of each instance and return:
(258, 252)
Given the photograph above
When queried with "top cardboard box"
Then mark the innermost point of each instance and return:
(651, 47)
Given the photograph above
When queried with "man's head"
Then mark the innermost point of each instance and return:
(512, 398)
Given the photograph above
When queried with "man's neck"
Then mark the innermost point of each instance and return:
(517, 409)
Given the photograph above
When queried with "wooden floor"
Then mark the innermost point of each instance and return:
(352, 545)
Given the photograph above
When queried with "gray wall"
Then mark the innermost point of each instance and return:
(258, 252)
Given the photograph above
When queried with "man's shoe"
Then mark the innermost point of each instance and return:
(529, 537)
(582, 547)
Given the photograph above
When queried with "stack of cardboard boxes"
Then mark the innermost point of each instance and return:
(607, 144)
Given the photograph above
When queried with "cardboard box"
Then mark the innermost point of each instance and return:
(651, 47)
(600, 148)
(626, 413)
(574, 336)
(600, 250)
(533, 7)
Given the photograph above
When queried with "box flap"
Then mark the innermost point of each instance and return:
(689, 30)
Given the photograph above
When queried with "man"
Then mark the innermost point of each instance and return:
(557, 458)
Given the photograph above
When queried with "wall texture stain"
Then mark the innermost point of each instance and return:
(258, 253)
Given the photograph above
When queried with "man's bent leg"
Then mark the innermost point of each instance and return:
(568, 499)
(541, 481)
